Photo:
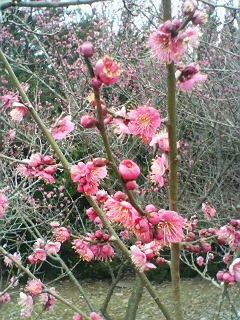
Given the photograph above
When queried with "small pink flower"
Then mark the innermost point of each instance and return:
(52, 247)
(158, 169)
(18, 112)
(5, 298)
(108, 70)
(3, 203)
(64, 127)
(95, 316)
(189, 77)
(39, 243)
(78, 171)
(34, 287)
(234, 269)
(27, 302)
(77, 317)
(88, 121)
(8, 262)
(83, 249)
(199, 17)
(209, 211)
(54, 224)
(12, 134)
(144, 121)
(39, 255)
(129, 170)
(62, 234)
(140, 260)
(168, 43)
(200, 261)
(189, 7)
(161, 139)
(170, 227)
(48, 300)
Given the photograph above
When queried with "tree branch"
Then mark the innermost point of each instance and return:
(44, 4)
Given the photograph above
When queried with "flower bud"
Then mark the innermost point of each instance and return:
(131, 185)
(87, 49)
(129, 170)
(88, 122)
(99, 162)
(96, 82)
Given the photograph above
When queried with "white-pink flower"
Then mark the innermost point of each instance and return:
(3, 203)
(189, 77)
(139, 258)
(64, 127)
(234, 269)
(209, 211)
(26, 301)
(52, 247)
(18, 112)
(158, 169)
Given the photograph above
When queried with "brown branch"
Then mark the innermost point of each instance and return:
(44, 4)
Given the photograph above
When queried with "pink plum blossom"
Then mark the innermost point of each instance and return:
(34, 286)
(38, 166)
(26, 301)
(107, 70)
(77, 317)
(158, 169)
(139, 258)
(88, 176)
(234, 269)
(162, 140)
(209, 211)
(9, 262)
(52, 247)
(121, 212)
(48, 300)
(5, 298)
(129, 170)
(64, 127)
(169, 44)
(189, 77)
(170, 227)
(3, 203)
(39, 255)
(95, 316)
(200, 261)
(83, 249)
(144, 121)
(18, 112)
(62, 234)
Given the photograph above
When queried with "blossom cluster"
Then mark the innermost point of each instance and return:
(39, 166)
(88, 175)
(171, 41)
(94, 246)
(41, 250)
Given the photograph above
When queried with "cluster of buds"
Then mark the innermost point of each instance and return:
(39, 166)
(94, 246)
(201, 247)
